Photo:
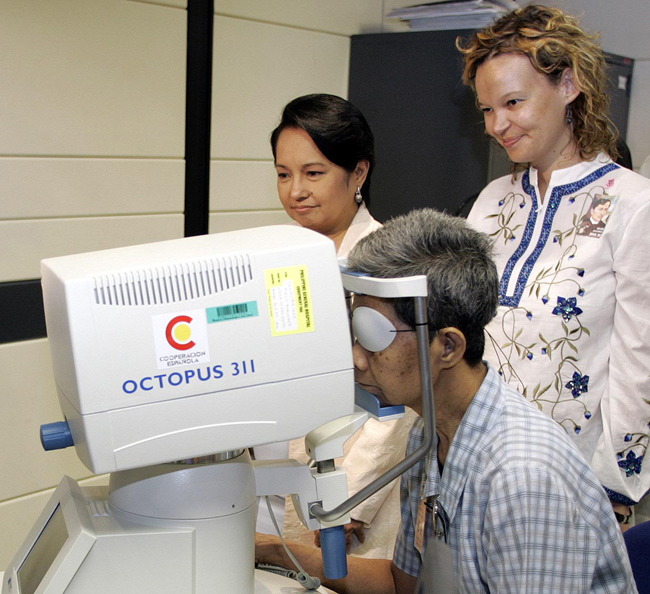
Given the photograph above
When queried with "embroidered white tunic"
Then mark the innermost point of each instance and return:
(572, 331)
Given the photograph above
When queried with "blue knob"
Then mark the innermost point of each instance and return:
(56, 436)
(335, 562)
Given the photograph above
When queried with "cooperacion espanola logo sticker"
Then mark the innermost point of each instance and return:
(179, 333)
(181, 339)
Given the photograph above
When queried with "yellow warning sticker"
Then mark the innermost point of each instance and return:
(289, 300)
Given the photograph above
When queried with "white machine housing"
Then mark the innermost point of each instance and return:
(191, 347)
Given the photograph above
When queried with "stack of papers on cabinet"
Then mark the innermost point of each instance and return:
(453, 14)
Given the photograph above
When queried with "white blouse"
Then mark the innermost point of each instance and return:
(572, 331)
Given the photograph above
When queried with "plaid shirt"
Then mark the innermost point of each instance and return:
(523, 510)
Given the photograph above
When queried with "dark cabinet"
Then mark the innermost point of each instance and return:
(431, 149)
(619, 87)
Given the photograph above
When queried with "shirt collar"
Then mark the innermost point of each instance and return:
(361, 225)
(570, 174)
(479, 419)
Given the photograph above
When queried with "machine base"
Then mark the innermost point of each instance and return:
(271, 583)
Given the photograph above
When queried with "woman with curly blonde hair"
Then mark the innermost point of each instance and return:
(558, 46)
(573, 326)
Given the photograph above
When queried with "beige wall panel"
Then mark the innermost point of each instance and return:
(243, 185)
(257, 69)
(28, 400)
(39, 188)
(92, 78)
(334, 16)
(18, 516)
(232, 221)
(24, 244)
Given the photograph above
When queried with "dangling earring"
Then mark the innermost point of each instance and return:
(569, 115)
(358, 198)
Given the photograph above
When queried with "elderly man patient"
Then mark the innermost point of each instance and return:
(521, 509)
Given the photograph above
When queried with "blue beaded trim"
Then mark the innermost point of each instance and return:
(615, 497)
(523, 246)
(554, 202)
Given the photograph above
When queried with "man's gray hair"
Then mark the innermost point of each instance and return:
(462, 278)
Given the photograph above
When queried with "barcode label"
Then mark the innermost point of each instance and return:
(232, 312)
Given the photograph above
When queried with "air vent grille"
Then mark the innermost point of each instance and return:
(173, 284)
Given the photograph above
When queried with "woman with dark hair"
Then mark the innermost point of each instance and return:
(573, 326)
(324, 155)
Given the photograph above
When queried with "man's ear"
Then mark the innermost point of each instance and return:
(451, 347)
(569, 86)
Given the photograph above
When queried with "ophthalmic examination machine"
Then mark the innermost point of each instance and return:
(170, 361)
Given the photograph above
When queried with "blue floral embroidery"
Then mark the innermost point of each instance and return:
(631, 464)
(578, 385)
(567, 308)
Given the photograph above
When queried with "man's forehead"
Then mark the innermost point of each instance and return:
(382, 305)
